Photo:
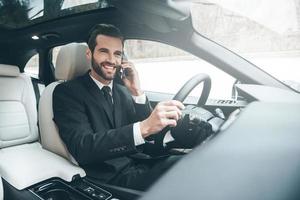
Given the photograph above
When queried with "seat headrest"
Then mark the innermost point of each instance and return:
(71, 61)
(9, 70)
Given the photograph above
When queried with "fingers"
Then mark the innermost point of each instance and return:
(166, 113)
(171, 109)
(127, 64)
(173, 115)
(171, 106)
(169, 112)
(130, 69)
(170, 122)
(176, 103)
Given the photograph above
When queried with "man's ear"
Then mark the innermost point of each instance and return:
(88, 54)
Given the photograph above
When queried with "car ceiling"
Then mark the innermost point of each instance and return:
(17, 46)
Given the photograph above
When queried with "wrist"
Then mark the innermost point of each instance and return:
(136, 92)
(145, 129)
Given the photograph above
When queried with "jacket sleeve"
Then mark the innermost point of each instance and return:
(142, 111)
(75, 129)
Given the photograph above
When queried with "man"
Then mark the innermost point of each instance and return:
(103, 123)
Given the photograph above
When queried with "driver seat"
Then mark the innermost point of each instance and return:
(71, 62)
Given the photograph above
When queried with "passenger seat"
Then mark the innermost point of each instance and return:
(23, 161)
(18, 115)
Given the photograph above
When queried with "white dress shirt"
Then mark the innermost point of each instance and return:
(137, 135)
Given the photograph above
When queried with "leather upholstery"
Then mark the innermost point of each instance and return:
(18, 115)
(23, 162)
(71, 62)
(28, 164)
(9, 70)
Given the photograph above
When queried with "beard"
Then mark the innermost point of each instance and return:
(100, 71)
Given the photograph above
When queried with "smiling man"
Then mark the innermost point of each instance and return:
(104, 124)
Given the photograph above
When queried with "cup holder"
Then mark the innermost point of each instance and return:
(57, 194)
(56, 189)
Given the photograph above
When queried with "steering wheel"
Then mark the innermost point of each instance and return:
(191, 84)
(184, 92)
(193, 114)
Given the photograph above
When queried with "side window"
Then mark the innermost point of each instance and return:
(32, 66)
(164, 68)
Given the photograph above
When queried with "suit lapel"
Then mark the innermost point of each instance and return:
(98, 96)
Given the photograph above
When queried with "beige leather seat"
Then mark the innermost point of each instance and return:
(23, 162)
(71, 62)
(18, 115)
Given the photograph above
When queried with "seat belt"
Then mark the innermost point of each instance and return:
(35, 83)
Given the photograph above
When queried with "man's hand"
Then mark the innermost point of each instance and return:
(165, 113)
(131, 80)
(188, 134)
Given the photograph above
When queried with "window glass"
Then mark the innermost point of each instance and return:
(72, 3)
(267, 33)
(32, 66)
(23, 13)
(164, 68)
(19, 13)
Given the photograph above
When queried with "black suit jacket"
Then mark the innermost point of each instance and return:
(98, 139)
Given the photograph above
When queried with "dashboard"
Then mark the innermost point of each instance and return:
(255, 155)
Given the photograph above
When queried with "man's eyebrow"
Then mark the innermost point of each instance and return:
(103, 49)
(118, 52)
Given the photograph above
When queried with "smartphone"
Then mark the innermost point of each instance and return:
(121, 73)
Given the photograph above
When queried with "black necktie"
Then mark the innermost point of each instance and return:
(106, 92)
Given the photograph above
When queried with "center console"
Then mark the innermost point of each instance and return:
(33, 173)
(80, 189)
(57, 189)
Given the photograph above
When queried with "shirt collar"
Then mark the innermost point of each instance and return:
(101, 85)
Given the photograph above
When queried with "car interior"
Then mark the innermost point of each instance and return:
(253, 153)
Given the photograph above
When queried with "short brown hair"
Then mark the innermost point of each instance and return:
(103, 29)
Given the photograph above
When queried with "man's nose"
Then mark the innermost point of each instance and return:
(111, 58)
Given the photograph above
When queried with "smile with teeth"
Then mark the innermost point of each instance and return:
(108, 67)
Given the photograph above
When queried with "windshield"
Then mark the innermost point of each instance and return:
(267, 33)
